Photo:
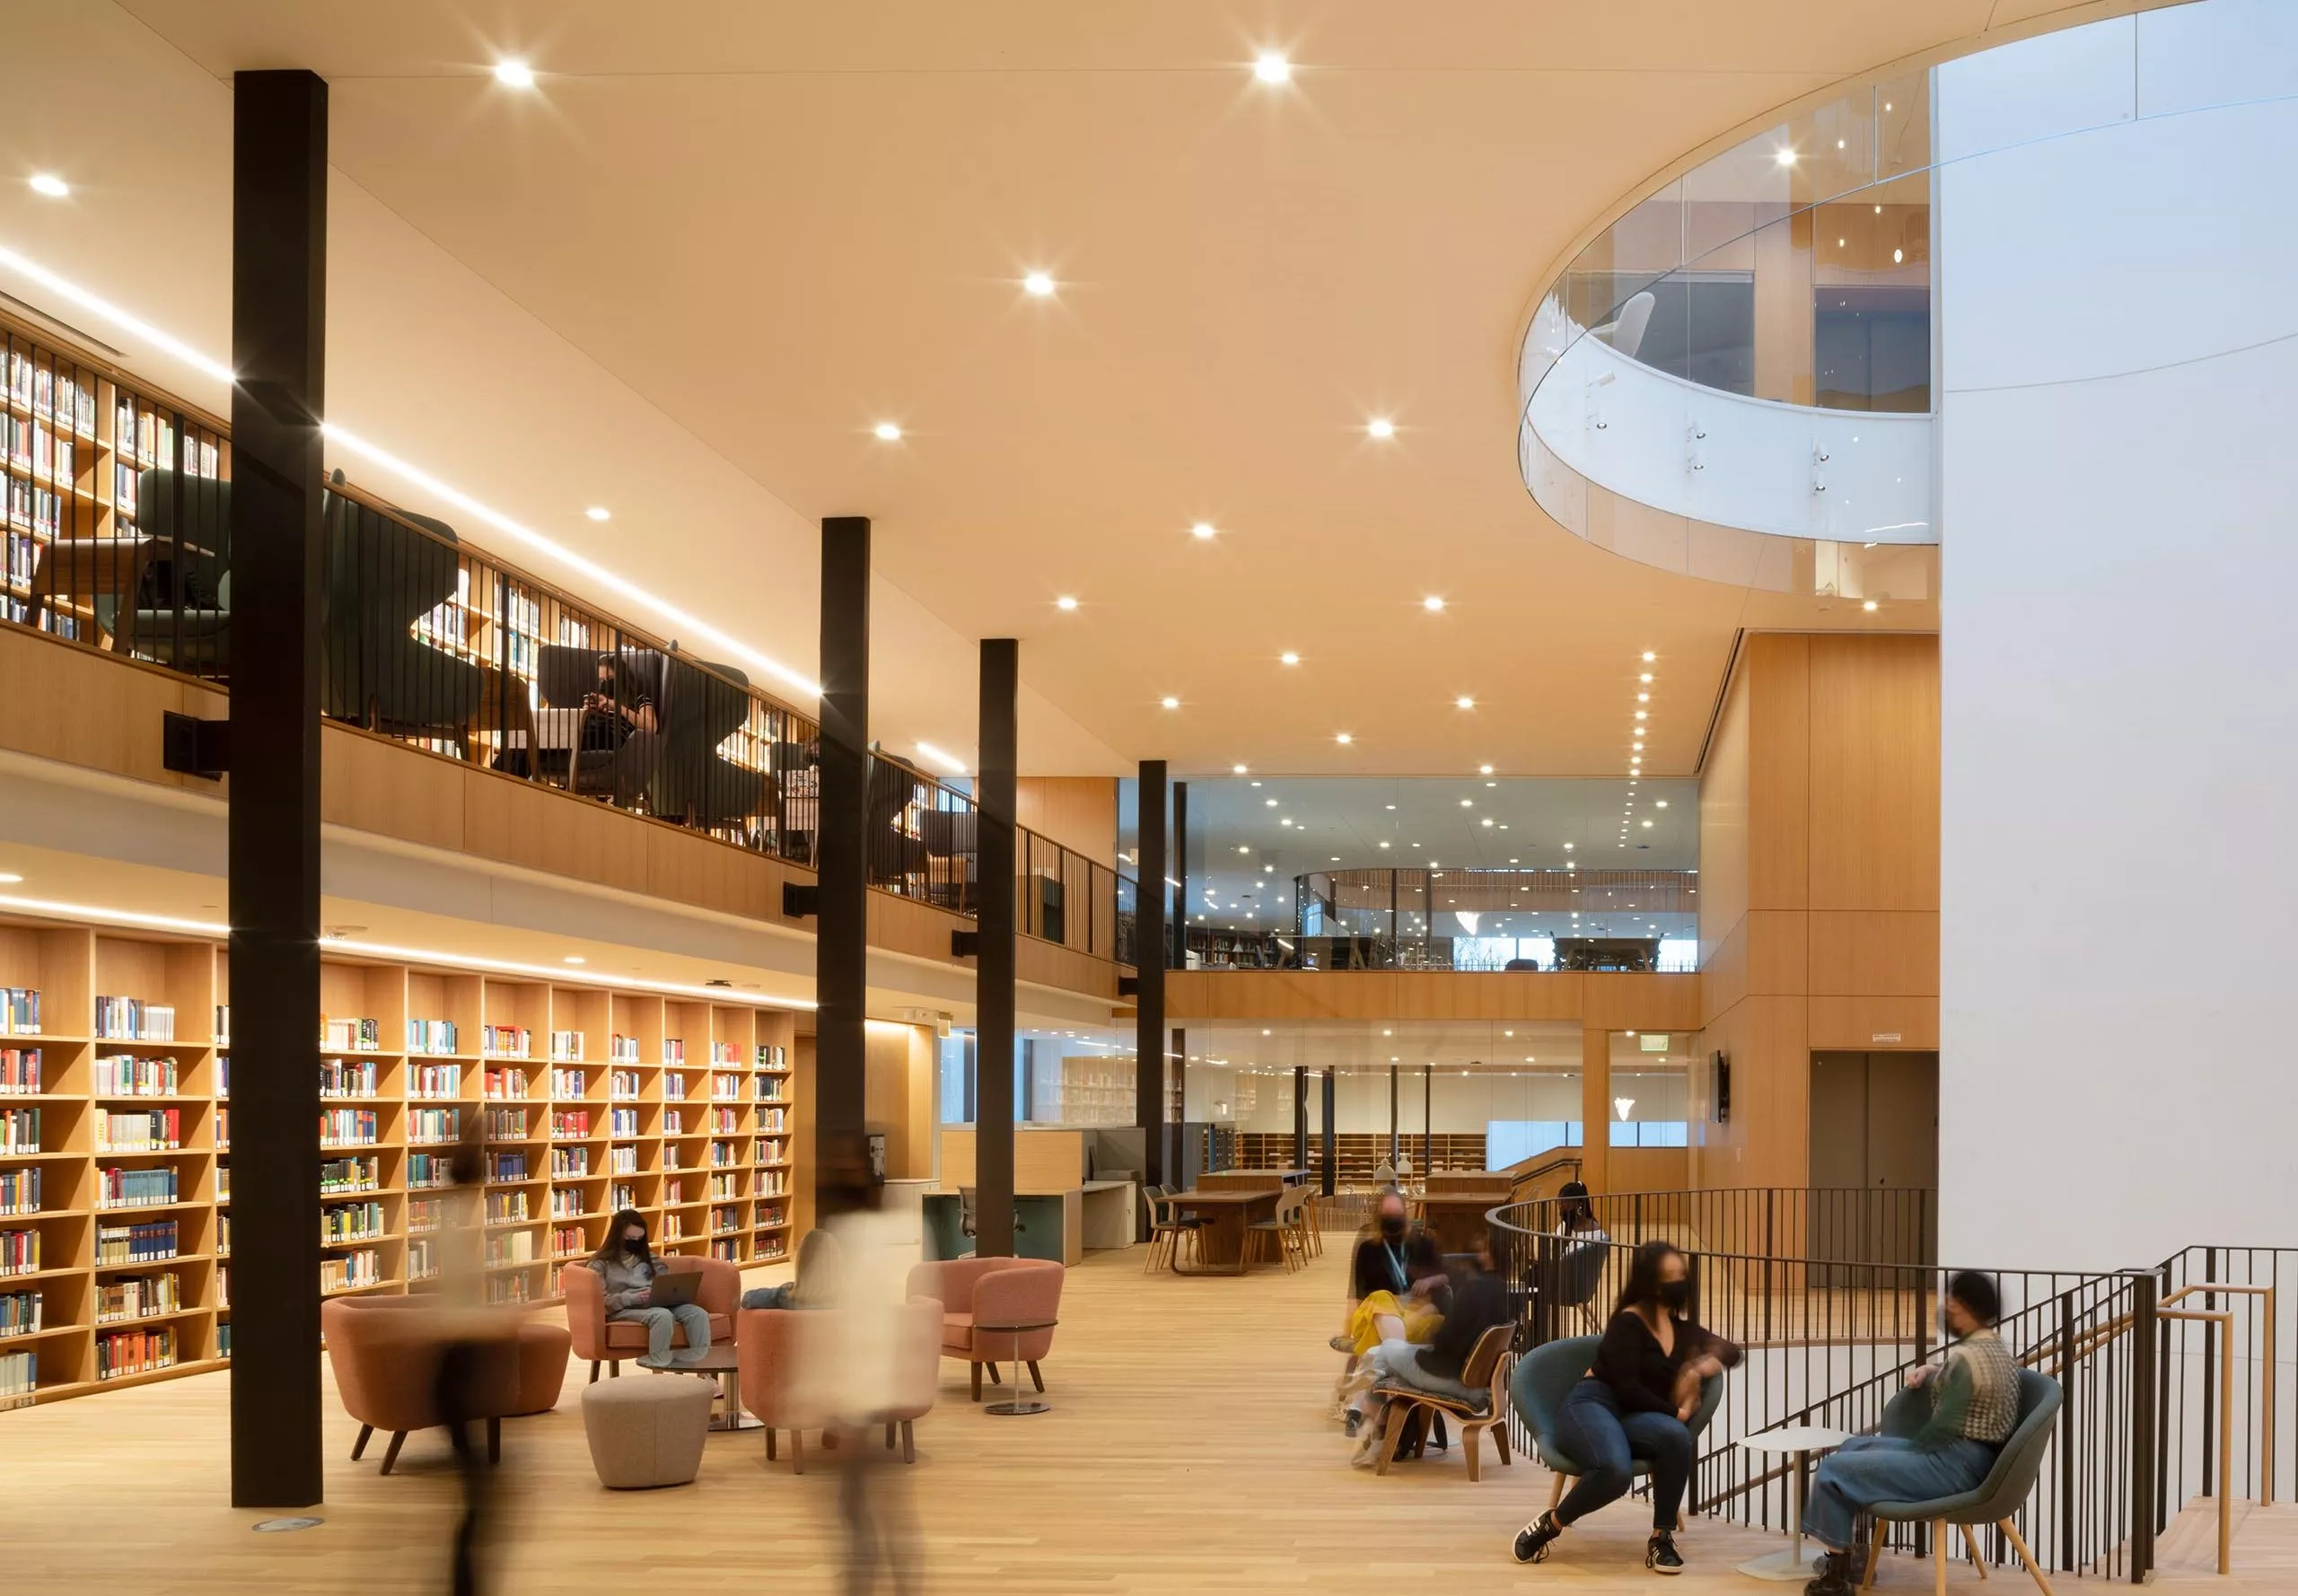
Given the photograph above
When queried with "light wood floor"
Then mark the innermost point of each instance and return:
(1187, 1452)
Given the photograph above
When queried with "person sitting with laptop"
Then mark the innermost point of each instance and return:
(639, 1293)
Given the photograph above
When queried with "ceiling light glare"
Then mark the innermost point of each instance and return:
(1869, 605)
(574, 959)
(948, 761)
(1433, 604)
(1171, 703)
(1038, 284)
(50, 184)
(1289, 659)
(888, 432)
(1661, 804)
(1202, 531)
(1464, 702)
(1649, 656)
(514, 74)
(1066, 602)
(1785, 157)
(1484, 770)
(1272, 68)
(1236, 770)
(1343, 737)
(599, 513)
(1380, 426)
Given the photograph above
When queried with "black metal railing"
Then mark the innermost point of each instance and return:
(119, 537)
(2171, 1403)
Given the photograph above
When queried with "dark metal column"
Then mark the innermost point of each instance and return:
(1180, 876)
(842, 908)
(1427, 1114)
(1151, 937)
(992, 1006)
(279, 125)
(1300, 1117)
(1392, 1116)
(1325, 1158)
(1177, 1091)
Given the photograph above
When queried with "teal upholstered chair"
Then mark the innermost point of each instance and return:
(196, 555)
(1999, 1495)
(1544, 1377)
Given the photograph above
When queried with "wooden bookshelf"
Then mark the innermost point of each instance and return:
(584, 1076)
(1359, 1153)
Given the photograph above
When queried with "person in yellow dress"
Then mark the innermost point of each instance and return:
(1391, 1281)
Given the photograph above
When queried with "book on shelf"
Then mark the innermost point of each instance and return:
(351, 1036)
(505, 1085)
(673, 1048)
(506, 1208)
(18, 1313)
(19, 1130)
(725, 1186)
(727, 1089)
(427, 1171)
(504, 1290)
(771, 1057)
(567, 1047)
(725, 1053)
(512, 1247)
(673, 1228)
(136, 1188)
(132, 1019)
(434, 1080)
(773, 1121)
(729, 1252)
(570, 1163)
(424, 1214)
(502, 1168)
(567, 1241)
(622, 1085)
(620, 1196)
(673, 1087)
(20, 1190)
(222, 1024)
(672, 1156)
(505, 1041)
(224, 1340)
(137, 1296)
(727, 1154)
(623, 1122)
(431, 1126)
(149, 1131)
(622, 1048)
(141, 1243)
(351, 1271)
(19, 1373)
(725, 1121)
(570, 1124)
(122, 1075)
(674, 1122)
(350, 1174)
(223, 1182)
(135, 1351)
(432, 1036)
(222, 1235)
(19, 1252)
(506, 1125)
(623, 1161)
(350, 1222)
(726, 1222)
(224, 1075)
(565, 1203)
(19, 1071)
(349, 1127)
(344, 1077)
(422, 1258)
(568, 1083)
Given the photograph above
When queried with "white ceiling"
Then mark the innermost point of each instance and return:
(686, 274)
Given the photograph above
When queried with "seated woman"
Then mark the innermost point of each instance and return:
(815, 1283)
(629, 1269)
(1576, 1215)
(1479, 1300)
(1636, 1401)
(1392, 1280)
(1974, 1408)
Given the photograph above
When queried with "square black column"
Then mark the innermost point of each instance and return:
(1149, 938)
(993, 1005)
(842, 896)
(279, 354)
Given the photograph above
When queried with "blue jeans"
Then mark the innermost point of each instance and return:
(1869, 1469)
(1399, 1363)
(1596, 1434)
(770, 1296)
(690, 1317)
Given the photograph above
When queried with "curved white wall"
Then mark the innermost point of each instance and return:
(2118, 418)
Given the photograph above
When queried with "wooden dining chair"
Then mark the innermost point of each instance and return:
(1167, 1232)
(1487, 1370)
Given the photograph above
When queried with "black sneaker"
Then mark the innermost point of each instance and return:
(1356, 1422)
(1834, 1576)
(1534, 1539)
(1660, 1555)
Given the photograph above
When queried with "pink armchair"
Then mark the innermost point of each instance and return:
(600, 1341)
(384, 1354)
(769, 1343)
(982, 1292)
(765, 1350)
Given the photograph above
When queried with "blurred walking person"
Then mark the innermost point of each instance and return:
(466, 1330)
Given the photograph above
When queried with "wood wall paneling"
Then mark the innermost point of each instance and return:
(1855, 1022)
(1877, 952)
(1779, 772)
(1077, 811)
(1874, 772)
(1595, 1109)
(1778, 945)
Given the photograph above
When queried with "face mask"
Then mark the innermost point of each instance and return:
(635, 1242)
(1392, 1226)
(1674, 1293)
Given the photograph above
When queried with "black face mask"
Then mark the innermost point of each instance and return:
(1674, 1293)
(1391, 1227)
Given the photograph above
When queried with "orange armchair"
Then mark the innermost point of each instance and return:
(771, 1343)
(766, 1356)
(598, 1339)
(384, 1354)
(982, 1292)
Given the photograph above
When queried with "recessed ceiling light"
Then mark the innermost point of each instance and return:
(1271, 802)
(1171, 703)
(1289, 659)
(1343, 737)
(50, 184)
(1202, 531)
(1663, 803)
(1433, 604)
(1272, 68)
(1468, 803)
(1236, 770)
(1649, 656)
(1869, 604)
(9, 878)
(1464, 702)
(1256, 784)
(1381, 845)
(888, 432)
(1487, 820)
(1244, 850)
(1787, 157)
(1643, 698)
(1066, 602)
(514, 74)
(574, 959)
(1380, 426)
(1642, 715)
(1391, 806)
(599, 513)
(1646, 677)
(1647, 825)
(1039, 284)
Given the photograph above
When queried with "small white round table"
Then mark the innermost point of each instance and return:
(1790, 1441)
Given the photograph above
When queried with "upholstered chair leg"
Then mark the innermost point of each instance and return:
(360, 1445)
(977, 1383)
(1970, 1545)
(1874, 1550)
(1939, 1557)
(995, 1377)
(890, 1437)
(495, 1440)
(614, 1369)
(391, 1452)
(594, 1371)
(1037, 1378)
(797, 1451)
(769, 1444)
(2019, 1543)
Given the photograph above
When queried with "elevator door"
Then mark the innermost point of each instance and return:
(1874, 1133)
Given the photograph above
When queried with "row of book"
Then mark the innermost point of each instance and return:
(350, 1222)
(341, 1077)
(222, 1182)
(622, 1160)
(34, 446)
(506, 1125)
(19, 1011)
(132, 1019)
(433, 1036)
(20, 1311)
(136, 1188)
(350, 1174)
(348, 1127)
(422, 1260)
(727, 1251)
(506, 1085)
(565, 1046)
(512, 1247)
(137, 1296)
(506, 1208)
(431, 1126)
(20, 1190)
(570, 1163)
(142, 1243)
(19, 1071)
(622, 1049)
(505, 1041)
(622, 1085)
(726, 1222)
(19, 1373)
(35, 514)
(568, 1083)
(427, 1171)
(725, 1122)
(622, 1122)
(123, 1074)
(352, 1270)
(223, 1132)
(566, 1203)
(424, 1214)
(44, 389)
(135, 1351)
(19, 1252)
(504, 1168)
(351, 1036)
(19, 1130)
(147, 1130)
(434, 1080)
(568, 1241)
(674, 1122)
(570, 1124)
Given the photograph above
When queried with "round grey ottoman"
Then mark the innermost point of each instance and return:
(647, 1432)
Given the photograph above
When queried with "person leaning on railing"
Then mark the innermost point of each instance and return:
(1974, 1408)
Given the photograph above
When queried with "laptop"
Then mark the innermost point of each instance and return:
(673, 1290)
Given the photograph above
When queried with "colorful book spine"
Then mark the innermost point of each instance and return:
(350, 1222)
(351, 1271)
(622, 1049)
(154, 1130)
(434, 1080)
(565, 1203)
(431, 1126)
(503, 1168)
(505, 1041)
(19, 1130)
(132, 1019)
(19, 1011)
(135, 1188)
(122, 1075)
(19, 1070)
(771, 1057)
(20, 1191)
(350, 1174)
(432, 1036)
(422, 1260)
(505, 1085)
(570, 1163)
(19, 1252)
(349, 1127)
(342, 1077)
(673, 1087)
(673, 1050)
(20, 1312)
(568, 1083)
(425, 1171)
(567, 1047)
(727, 1089)
(622, 1085)
(567, 1242)
(623, 1161)
(135, 1351)
(351, 1036)
(623, 1122)
(19, 1375)
(513, 1247)
(142, 1243)
(570, 1124)
(137, 1296)
(725, 1053)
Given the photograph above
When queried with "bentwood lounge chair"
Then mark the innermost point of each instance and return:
(1486, 1372)
(1999, 1497)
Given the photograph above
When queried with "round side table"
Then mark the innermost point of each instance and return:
(1790, 1441)
(1016, 1405)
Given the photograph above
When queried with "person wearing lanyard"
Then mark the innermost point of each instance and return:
(1391, 1284)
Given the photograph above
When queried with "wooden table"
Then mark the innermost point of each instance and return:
(1221, 1244)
